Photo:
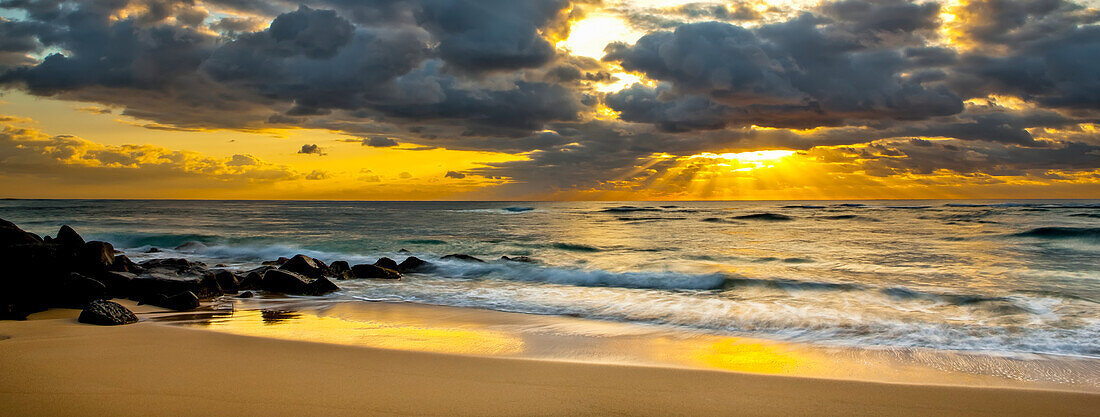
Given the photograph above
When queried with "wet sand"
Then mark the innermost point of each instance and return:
(439, 361)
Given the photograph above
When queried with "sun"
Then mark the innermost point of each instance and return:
(745, 161)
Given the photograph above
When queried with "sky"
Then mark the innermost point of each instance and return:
(549, 99)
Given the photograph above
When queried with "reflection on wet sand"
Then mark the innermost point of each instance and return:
(487, 333)
(293, 325)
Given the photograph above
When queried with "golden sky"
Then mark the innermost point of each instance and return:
(550, 99)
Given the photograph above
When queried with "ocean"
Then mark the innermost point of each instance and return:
(1001, 277)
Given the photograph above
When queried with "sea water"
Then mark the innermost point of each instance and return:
(1001, 277)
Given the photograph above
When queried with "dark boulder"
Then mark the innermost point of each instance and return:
(373, 271)
(122, 263)
(153, 250)
(78, 290)
(246, 294)
(523, 259)
(106, 313)
(287, 282)
(340, 270)
(183, 301)
(413, 264)
(250, 280)
(277, 262)
(118, 283)
(227, 281)
(148, 284)
(11, 235)
(463, 257)
(386, 263)
(95, 256)
(68, 239)
(321, 286)
(175, 266)
(306, 266)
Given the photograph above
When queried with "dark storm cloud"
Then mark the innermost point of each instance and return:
(311, 149)
(481, 75)
(790, 74)
(924, 157)
(308, 62)
(379, 142)
(454, 174)
(651, 18)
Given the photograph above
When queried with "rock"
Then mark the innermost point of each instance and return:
(386, 263)
(277, 262)
(413, 264)
(95, 256)
(523, 259)
(31, 277)
(106, 313)
(403, 250)
(246, 294)
(148, 284)
(183, 301)
(227, 281)
(321, 286)
(463, 257)
(69, 239)
(374, 271)
(11, 235)
(153, 250)
(251, 281)
(175, 266)
(191, 246)
(118, 283)
(122, 263)
(78, 290)
(287, 282)
(306, 266)
(340, 270)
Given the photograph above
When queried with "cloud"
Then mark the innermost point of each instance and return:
(404, 175)
(68, 160)
(485, 76)
(309, 149)
(454, 174)
(799, 73)
(379, 142)
(318, 175)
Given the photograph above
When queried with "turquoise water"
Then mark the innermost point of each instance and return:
(1012, 277)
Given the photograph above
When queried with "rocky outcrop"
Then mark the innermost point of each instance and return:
(106, 313)
(287, 282)
(386, 263)
(277, 262)
(227, 281)
(374, 271)
(123, 264)
(68, 239)
(522, 259)
(78, 290)
(413, 264)
(340, 270)
(95, 257)
(306, 266)
(462, 257)
(183, 301)
(11, 235)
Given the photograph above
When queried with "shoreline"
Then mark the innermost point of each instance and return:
(66, 368)
(482, 332)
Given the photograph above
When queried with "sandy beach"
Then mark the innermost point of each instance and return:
(54, 366)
